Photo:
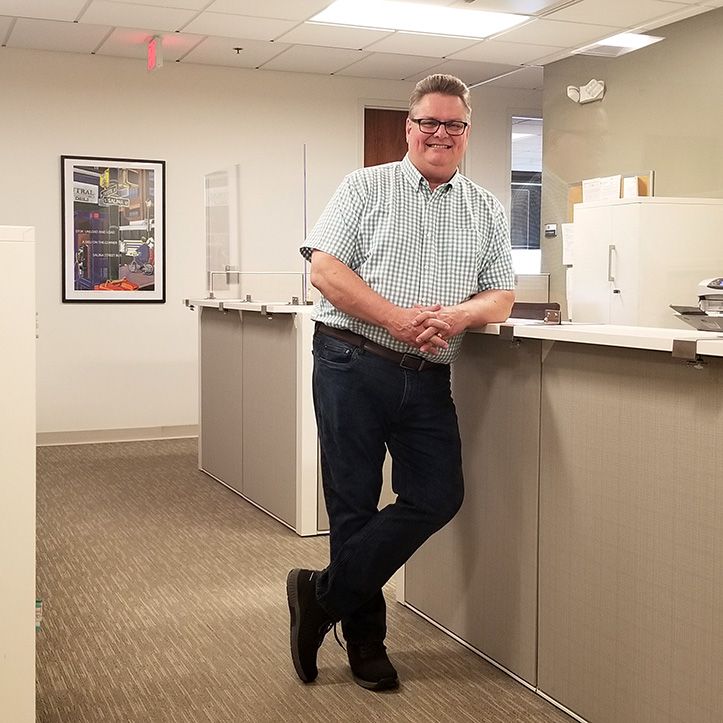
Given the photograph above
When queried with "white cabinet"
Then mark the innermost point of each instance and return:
(635, 257)
(17, 475)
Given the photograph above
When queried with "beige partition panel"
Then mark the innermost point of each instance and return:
(269, 413)
(221, 398)
(484, 563)
(631, 535)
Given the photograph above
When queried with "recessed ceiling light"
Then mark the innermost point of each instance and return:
(619, 44)
(417, 18)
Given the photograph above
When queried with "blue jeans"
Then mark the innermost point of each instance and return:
(366, 404)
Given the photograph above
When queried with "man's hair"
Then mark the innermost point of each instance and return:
(443, 84)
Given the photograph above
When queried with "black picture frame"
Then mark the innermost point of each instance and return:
(114, 230)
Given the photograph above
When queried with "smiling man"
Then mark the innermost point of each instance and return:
(407, 257)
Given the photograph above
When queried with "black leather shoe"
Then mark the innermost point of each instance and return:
(309, 622)
(371, 666)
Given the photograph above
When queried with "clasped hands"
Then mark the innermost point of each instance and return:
(426, 327)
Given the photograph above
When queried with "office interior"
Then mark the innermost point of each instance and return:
(609, 609)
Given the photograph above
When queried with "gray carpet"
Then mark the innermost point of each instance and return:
(164, 601)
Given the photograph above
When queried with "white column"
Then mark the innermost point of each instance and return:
(17, 474)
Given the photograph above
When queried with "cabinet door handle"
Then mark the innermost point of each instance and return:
(611, 251)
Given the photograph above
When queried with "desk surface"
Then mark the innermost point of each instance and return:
(633, 337)
(709, 343)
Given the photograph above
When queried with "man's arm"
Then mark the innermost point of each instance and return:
(348, 292)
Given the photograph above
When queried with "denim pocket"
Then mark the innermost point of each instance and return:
(334, 351)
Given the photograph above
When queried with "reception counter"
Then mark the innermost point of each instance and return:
(257, 432)
(587, 559)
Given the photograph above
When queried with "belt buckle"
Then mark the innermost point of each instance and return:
(411, 362)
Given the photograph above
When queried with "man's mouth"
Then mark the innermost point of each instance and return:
(438, 145)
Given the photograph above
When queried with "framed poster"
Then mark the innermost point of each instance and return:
(114, 240)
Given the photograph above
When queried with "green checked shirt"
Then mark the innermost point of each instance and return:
(412, 245)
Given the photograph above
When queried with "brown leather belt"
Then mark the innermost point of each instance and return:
(406, 361)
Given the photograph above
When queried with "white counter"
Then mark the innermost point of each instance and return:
(708, 343)
(271, 307)
(586, 491)
(586, 558)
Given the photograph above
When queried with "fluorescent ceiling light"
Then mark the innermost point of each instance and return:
(417, 18)
(619, 44)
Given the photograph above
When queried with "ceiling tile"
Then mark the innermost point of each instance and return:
(132, 43)
(238, 26)
(469, 72)
(124, 14)
(43, 9)
(220, 51)
(433, 46)
(311, 59)
(557, 34)
(386, 65)
(622, 13)
(524, 7)
(495, 51)
(520, 7)
(426, 2)
(332, 36)
(530, 78)
(5, 24)
(280, 9)
(687, 11)
(183, 4)
(56, 35)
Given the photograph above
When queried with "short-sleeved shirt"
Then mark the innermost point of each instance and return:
(412, 245)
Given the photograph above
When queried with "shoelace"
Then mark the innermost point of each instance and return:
(365, 649)
(336, 636)
(324, 629)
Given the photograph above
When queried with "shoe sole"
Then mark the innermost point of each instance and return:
(383, 684)
(292, 596)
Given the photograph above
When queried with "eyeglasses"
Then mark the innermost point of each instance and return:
(430, 125)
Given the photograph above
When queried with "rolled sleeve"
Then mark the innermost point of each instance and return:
(336, 231)
(498, 272)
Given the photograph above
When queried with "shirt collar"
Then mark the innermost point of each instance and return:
(416, 178)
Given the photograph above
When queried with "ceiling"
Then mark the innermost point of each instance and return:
(273, 35)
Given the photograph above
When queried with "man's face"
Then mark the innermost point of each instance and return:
(437, 156)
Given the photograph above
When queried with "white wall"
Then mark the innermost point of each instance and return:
(489, 155)
(661, 112)
(105, 366)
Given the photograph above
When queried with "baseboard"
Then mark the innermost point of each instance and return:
(134, 434)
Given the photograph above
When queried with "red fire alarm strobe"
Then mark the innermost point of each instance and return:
(155, 53)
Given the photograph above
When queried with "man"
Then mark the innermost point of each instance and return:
(407, 256)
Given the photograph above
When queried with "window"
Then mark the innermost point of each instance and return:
(526, 182)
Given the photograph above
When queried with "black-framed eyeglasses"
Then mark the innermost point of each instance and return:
(430, 125)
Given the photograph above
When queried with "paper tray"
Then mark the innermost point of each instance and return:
(702, 322)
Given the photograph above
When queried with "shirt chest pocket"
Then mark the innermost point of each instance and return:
(459, 264)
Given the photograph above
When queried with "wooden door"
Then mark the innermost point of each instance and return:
(384, 135)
